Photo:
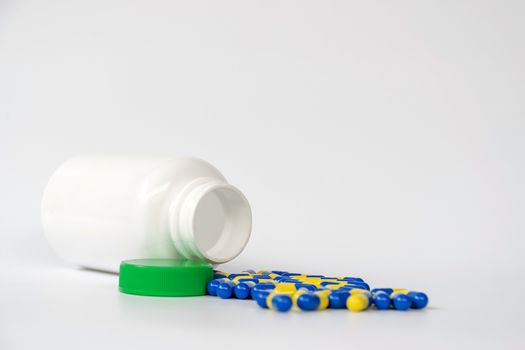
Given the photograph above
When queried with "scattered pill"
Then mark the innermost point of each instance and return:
(307, 286)
(308, 301)
(400, 290)
(386, 290)
(286, 287)
(337, 299)
(401, 301)
(211, 288)
(357, 302)
(279, 302)
(225, 289)
(297, 294)
(381, 300)
(254, 280)
(261, 287)
(282, 291)
(219, 274)
(260, 298)
(243, 290)
(419, 300)
(232, 276)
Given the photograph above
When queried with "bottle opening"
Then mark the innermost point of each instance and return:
(212, 221)
(221, 223)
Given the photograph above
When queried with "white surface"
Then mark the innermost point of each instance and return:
(384, 140)
(52, 305)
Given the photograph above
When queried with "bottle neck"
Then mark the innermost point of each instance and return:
(210, 220)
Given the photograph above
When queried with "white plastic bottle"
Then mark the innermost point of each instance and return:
(99, 210)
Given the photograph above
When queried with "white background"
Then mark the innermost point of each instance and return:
(377, 139)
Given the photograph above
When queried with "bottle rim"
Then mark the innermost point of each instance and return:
(211, 221)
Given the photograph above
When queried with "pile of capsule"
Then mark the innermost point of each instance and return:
(282, 291)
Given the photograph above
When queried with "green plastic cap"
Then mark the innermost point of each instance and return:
(164, 277)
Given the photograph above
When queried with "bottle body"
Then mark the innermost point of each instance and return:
(100, 210)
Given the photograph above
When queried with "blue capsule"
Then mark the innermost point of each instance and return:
(353, 279)
(337, 299)
(233, 275)
(364, 285)
(286, 280)
(279, 272)
(360, 285)
(328, 283)
(243, 290)
(290, 274)
(262, 287)
(348, 288)
(419, 300)
(211, 288)
(308, 302)
(219, 274)
(307, 286)
(386, 290)
(260, 297)
(254, 280)
(381, 300)
(401, 301)
(225, 289)
(280, 302)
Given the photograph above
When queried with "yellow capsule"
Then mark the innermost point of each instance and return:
(236, 279)
(312, 280)
(298, 278)
(285, 288)
(323, 297)
(264, 280)
(360, 291)
(222, 273)
(273, 275)
(400, 290)
(357, 302)
(334, 286)
(356, 291)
